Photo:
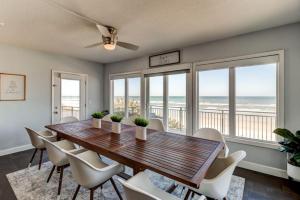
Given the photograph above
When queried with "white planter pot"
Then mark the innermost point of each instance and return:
(293, 172)
(116, 127)
(96, 123)
(141, 133)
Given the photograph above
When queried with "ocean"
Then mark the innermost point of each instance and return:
(257, 103)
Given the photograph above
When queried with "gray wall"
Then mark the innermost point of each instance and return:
(285, 37)
(35, 112)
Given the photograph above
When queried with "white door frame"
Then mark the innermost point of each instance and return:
(52, 90)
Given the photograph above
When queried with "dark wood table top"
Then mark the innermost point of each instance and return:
(182, 158)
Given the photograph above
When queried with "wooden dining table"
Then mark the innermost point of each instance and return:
(182, 158)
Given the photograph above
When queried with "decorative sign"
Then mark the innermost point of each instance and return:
(164, 59)
(12, 87)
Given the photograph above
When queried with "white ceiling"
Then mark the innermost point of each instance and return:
(154, 25)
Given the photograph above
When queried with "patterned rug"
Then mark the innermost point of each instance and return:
(30, 184)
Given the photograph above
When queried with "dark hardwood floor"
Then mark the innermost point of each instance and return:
(258, 186)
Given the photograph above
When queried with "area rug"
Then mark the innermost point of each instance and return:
(30, 184)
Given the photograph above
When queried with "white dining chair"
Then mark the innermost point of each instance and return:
(139, 187)
(39, 143)
(128, 121)
(213, 134)
(90, 172)
(218, 177)
(107, 117)
(156, 124)
(69, 119)
(58, 157)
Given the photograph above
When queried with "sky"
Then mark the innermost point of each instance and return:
(70, 87)
(257, 80)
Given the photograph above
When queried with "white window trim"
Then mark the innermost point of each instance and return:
(215, 64)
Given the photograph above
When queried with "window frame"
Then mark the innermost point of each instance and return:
(192, 93)
(189, 90)
(232, 64)
(126, 76)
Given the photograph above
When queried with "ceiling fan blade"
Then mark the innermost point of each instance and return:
(77, 14)
(128, 45)
(94, 45)
(103, 30)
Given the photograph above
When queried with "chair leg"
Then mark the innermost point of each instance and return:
(52, 170)
(171, 188)
(92, 194)
(187, 194)
(41, 158)
(32, 157)
(193, 195)
(182, 190)
(76, 192)
(60, 179)
(115, 187)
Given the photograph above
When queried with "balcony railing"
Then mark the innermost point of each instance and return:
(249, 124)
(67, 111)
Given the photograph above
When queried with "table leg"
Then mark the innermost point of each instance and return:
(136, 170)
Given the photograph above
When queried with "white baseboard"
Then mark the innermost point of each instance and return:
(15, 149)
(263, 169)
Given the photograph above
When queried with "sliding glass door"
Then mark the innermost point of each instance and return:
(167, 100)
(156, 97)
(176, 102)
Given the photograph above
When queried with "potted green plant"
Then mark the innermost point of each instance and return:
(97, 116)
(291, 145)
(116, 125)
(141, 130)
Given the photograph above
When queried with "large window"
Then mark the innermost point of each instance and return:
(134, 96)
(213, 100)
(119, 96)
(239, 98)
(126, 95)
(255, 101)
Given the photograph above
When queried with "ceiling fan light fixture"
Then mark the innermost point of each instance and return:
(109, 46)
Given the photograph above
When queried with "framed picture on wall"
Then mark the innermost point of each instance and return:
(12, 87)
(164, 59)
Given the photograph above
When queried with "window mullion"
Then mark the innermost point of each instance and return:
(165, 100)
(111, 96)
(189, 104)
(143, 97)
(126, 97)
(232, 116)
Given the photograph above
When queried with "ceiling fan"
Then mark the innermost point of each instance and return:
(109, 34)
